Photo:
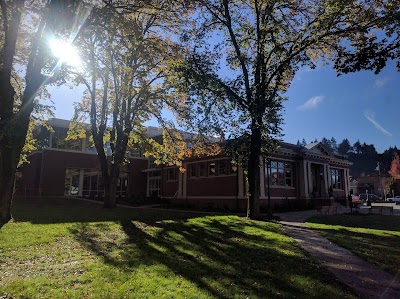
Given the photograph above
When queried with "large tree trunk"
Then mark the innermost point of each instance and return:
(8, 165)
(254, 171)
(110, 196)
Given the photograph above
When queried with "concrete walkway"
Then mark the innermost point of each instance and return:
(367, 280)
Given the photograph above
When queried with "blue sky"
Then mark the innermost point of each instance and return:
(356, 106)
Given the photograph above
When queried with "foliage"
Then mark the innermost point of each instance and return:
(372, 50)
(126, 49)
(76, 249)
(26, 27)
(344, 147)
(262, 44)
(395, 166)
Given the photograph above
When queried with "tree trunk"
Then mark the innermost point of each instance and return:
(7, 176)
(254, 171)
(110, 196)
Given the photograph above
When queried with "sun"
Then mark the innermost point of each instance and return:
(65, 52)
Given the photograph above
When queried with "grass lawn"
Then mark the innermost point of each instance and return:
(373, 238)
(74, 249)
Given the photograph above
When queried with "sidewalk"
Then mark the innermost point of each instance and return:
(367, 280)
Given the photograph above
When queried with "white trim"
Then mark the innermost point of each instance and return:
(205, 161)
(282, 187)
(262, 177)
(185, 178)
(280, 197)
(68, 151)
(212, 177)
(210, 197)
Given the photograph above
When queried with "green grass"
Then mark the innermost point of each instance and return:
(72, 249)
(375, 239)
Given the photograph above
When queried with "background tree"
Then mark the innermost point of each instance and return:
(303, 142)
(25, 29)
(344, 147)
(263, 44)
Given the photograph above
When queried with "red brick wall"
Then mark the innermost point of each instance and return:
(29, 183)
(54, 165)
(281, 192)
(137, 181)
(212, 186)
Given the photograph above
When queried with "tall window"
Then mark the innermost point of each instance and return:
(336, 178)
(211, 169)
(193, 170)
(172, 175)
(202, 169)
(280, 174)
(221, 167)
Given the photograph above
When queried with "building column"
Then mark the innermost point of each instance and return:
(303, 180)
(51, 140)
(184, 181)
(326, 182)
(262, 178)
(240, 181)
(309, 178)
(328, 171)
(180, 183)
(81, 176)
(148, 185)
(83, 144)
(346, 182)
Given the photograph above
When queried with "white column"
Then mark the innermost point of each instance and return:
(329, 176)
(148, 185)
(83, 144)
(262, 178)
(346, 181)
(81, 175)
(184, 181)
(51, 140)
(303, 180)
(310, 186)
(240, 181)
(326, 183)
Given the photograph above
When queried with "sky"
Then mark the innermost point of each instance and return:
(358, 106)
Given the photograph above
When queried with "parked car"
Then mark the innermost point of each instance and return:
(371, 197)
(393, 199)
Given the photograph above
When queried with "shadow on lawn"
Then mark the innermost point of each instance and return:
(374, 238)
(70, 210)
(219, 255)
(380, 222)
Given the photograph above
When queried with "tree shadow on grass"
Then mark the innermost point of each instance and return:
(223, 256)
(379, 247)
(381, 222)
(70, 210)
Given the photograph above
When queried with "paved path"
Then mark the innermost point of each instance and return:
(367, 280)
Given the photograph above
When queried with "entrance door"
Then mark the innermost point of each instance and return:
(316, 179)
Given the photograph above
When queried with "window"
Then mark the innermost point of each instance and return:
(193, 170)
(171, 174)
(202, 169)
(280, 174)
(233, 168)
(336, 178)
(211, 169)
(221, 167)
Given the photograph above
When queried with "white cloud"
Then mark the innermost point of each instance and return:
(370, 116)
(380, 82)
(311, 103)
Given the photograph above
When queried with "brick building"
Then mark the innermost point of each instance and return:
(299, 174)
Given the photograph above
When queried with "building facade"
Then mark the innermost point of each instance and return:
(300, 175)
